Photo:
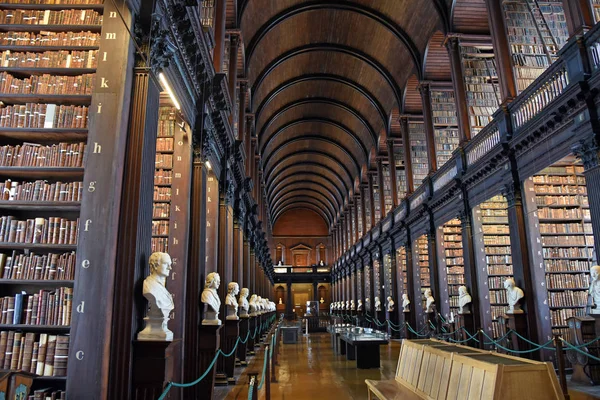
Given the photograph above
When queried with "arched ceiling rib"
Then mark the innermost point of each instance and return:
(325, 76)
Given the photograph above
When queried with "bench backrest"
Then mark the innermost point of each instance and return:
(434, 374)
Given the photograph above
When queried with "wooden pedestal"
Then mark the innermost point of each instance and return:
(153, 368)
(209, 344)
(465, 321)
(231, 334)
(518, 323)
(241, 350)
(251, 340)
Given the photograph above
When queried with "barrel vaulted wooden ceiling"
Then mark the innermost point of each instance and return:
(325, 78)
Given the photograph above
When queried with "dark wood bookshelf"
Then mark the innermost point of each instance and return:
(76, 99)
(45, 134)
(40, 205)
(26, 48)
(37, 246)
(49, 28)
(21, 6)
(37, 282)
(42, 172)
(36, 328)
(28, 71)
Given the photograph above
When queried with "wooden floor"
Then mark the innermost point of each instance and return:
(309, 370)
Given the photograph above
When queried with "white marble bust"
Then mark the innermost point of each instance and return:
(377, 304)
(390, 304)
(273, 306)
(160, 301)
(210, 299)
(514, 294)
(280, 302)
(464, 300)
(347, 305)
(405, 303)
(594, 290)
(430, 301)
(252, 304)
(359, 307)
(243, 303)
(259, 305)
(231, 302)
(352, 305)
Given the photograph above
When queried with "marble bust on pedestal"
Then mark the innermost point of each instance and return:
(464, 300)
(243, 303)
(160, 301)
(430, 301)
(390, 304)
(377, 304)
(360, 305)
(231, 302)
(210, 299)
(594, 290)
(352, 306)
(514, 294)
(252, 305)
(405, 303)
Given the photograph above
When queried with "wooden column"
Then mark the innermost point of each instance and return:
(136, 226)
(522, 268)
(508, 85)
(238, 252)
(412, 289)
(371, 199)
(252, 284)
(247, 144)
(587, 151)
(460, 93)
(410, 186)
(392, 160)
(395, 315)
(434, 275)
(580, 16)
(425, 91)
(212, 222)
(246, 264)
(380, 182)
(101, 216)
(196, 272)
(356, 216)
(219, 50)
(252, 161)
(234, 46)
(470, 264)
(363, 211)
(242, 114)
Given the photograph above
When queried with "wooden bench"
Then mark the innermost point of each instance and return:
(430, 369)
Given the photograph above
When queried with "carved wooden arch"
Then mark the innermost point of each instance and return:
(336, 48)
(436, 63)
(469, 16)
(316, 198)
(307, 177)
(412, 98)
(308, 167)
(302, 205)
(288, 193)
(306, 183)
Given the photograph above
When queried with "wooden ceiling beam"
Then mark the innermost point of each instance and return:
(302, 205)
(301, 194)
(335, 48)
(308, 185)
(327, 78)
(306, 166)
(305, 175)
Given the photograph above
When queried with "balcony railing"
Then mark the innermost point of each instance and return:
(579, 60)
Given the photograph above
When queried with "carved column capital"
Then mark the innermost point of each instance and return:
(587, 151)
(512, 194)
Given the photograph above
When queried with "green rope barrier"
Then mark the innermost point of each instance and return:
(262, 379)
(414, 332)
(251, 388)
(571, 347)
(579, 346)
(538, 346)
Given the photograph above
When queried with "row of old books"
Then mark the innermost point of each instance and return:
(563, 213)
(47, 307)
(559, 317)
(48, 116)
(43, 354)
(50, 17)
(160, 228)
(497, 249)
(49, 59)
(567, 265)
(578, 240)
(164, 161)
(568, 252)
(567, 281)
(161, 210)
(53, 230)
(162, 193)
(163, 177)
(36, 155)
(32, 266)
(164, 144)
(46, 38)
(566, 200)
(48, 84)
(41, 191)
(568, 298)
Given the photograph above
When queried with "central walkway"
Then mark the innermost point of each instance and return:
(310, 370)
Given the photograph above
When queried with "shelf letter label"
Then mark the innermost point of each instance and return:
(112, 14)
(111, 36)
(85, 264)
(87, 224)
(99, 108)
(97, 148)
(92, 187)
(81, 307)
(79, 355)
(103, 83)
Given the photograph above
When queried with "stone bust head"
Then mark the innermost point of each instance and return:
(211, 299)
(160, 301)
(594, 289)
(513, 295)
